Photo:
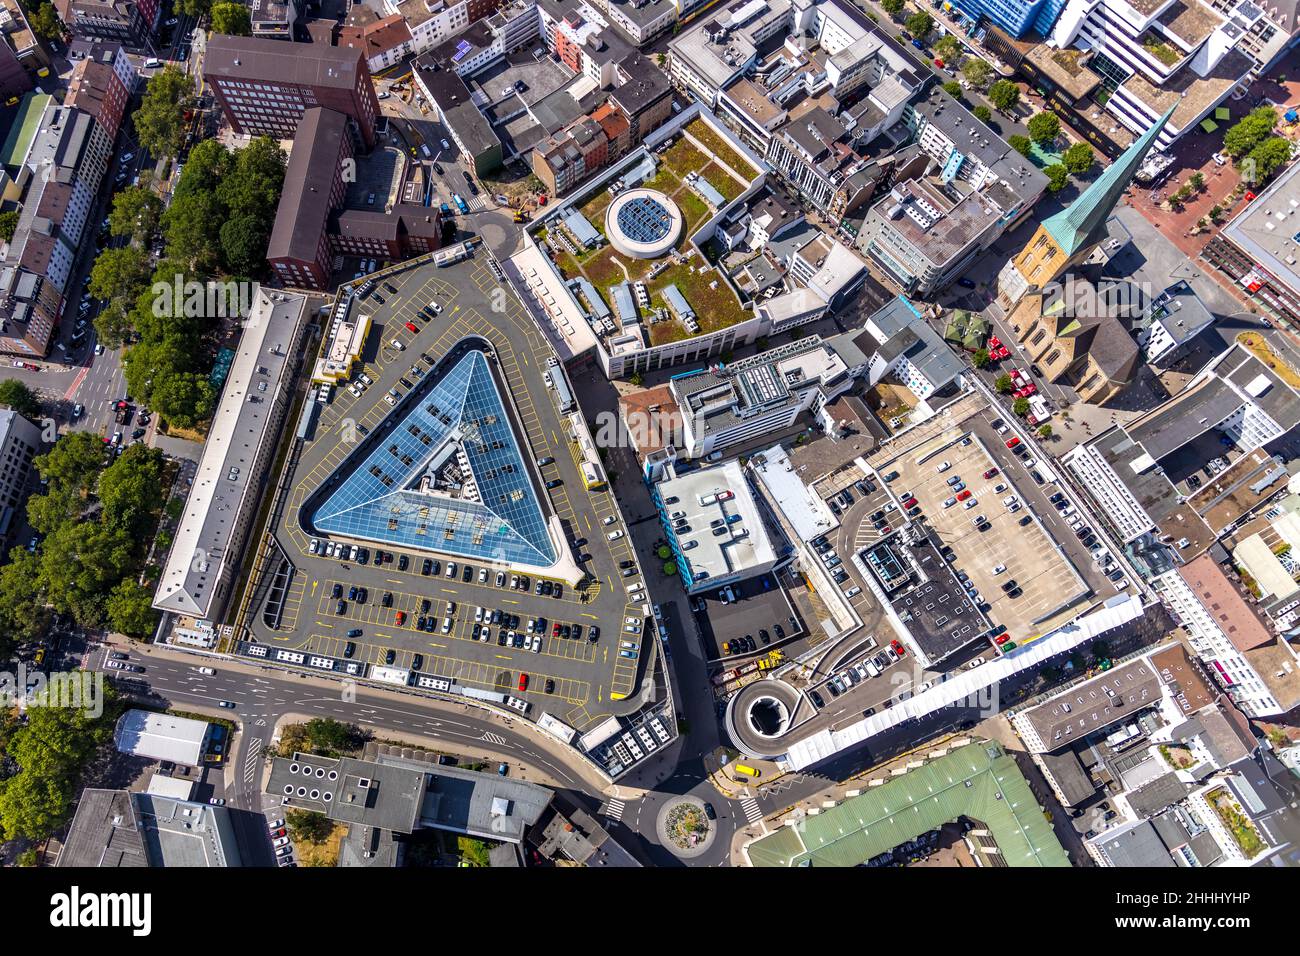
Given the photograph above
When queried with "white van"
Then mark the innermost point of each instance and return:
(152, 63)
(397, 345)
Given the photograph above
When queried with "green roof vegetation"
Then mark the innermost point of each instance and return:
(720, 148)
(979, 782)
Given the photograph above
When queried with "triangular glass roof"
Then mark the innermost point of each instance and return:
(388, 496)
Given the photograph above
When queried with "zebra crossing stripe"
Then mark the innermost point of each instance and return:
(615, 809)
(752, 812)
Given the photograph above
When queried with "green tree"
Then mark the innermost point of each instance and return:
(920, 24)
(243, 245)
(1078, 158)
(473, 852)
(254, 187)
(1045, 430)
(892, 7)
(1020, 406)
(45, 22)
(192, 226)
(980, 358)
(22, 608)
(947, 48)
(1058, 177)
(307, 827)
(129, 491)
(977, 72)
(1251, 130)
(159, 121)
(331, 737)
(1004, 95)
(1020, 144)
(130, 609)
(137, 211)
(14, 394)
(119, 273)
(983, 113)
(1196, 181)
(231, 19)
(953, 89)
(198, 9)
(8, 224)
(208, 165)
(1266, 159)
(50, 753)
(1044, 127)
(1003, 384)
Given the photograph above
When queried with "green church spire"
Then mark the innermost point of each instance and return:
(1081, 223)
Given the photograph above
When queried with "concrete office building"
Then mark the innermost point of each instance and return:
(763, 394)
(714, 527)
(929, 229)
(20, 440)
(131, 22)
(397, 795)
(261, 91)
(1016, 17)
(1156, 56)
(118, 828)
(162, 736)
(1258, 249)
(209, 549)
(1257, 669)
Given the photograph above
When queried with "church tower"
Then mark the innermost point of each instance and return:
(1064, 240)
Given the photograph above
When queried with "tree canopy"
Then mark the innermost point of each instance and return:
(1251, 130)
(1004, 95)
(160, 119)
(1078, 158)
(16, 395)
(1044, 127)
(232, 19)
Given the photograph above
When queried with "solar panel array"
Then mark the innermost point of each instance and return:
(499, 516)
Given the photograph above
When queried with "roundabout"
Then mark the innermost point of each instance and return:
(684, 828)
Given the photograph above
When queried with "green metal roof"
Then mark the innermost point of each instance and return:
(23, 131)
(1081, 222)
(978, 781)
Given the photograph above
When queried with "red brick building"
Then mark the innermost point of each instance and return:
(264, 87)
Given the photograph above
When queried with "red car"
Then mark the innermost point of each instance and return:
(401, 618)
(725, 495)
(963, 494)
(994, 342)
(1002, 353)
(1001, 638)
(523, 682)
(990, 473)
(909, 503)
(410, 327)
(1013, 441)
(555, 631)
(898, 648)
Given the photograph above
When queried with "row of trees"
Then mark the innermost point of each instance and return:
(96, 521)
(44, 760)
(216, 228)
(1256, 147)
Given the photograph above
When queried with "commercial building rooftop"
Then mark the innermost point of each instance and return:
(227, 479)
(1268, 230)
(117, 828)
(978, 782)
(1115, 695)
(304, 205)
(744, 545)
(259, 58)
(145, 733)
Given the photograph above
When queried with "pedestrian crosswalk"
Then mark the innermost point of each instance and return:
(252, 759)
(492, 738)
(751, 810)
(614, 810)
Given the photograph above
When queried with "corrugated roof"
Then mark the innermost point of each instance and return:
(979, 782)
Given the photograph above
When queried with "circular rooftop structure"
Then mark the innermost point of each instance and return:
(643, 223)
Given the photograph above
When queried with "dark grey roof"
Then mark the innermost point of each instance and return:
(1162, 792)
(304, 208)
(263, 58)
(1135, 845)
(643, 84)
(360, 791)
(1072, 780)
(103, 832)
